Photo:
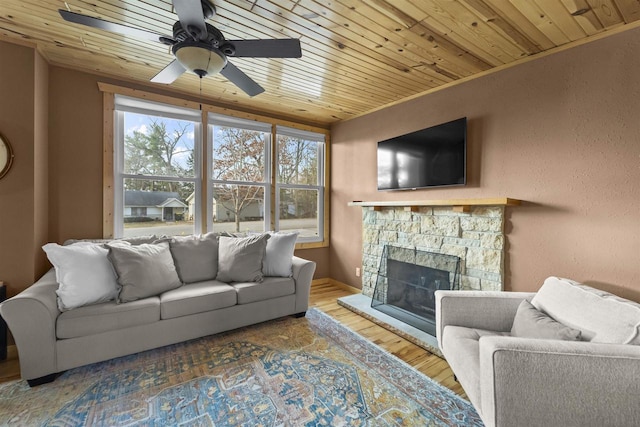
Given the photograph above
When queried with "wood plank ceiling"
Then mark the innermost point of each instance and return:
(358, 55)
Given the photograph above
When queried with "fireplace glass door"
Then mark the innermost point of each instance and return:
(407, 281)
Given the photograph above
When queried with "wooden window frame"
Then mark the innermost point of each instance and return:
(110, 91)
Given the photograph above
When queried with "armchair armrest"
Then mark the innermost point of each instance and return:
(303, 275)
(491, 310)
(548, 382)
(31, 316)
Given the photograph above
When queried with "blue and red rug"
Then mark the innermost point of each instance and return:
(289, 372)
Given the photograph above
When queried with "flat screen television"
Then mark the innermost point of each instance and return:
(431, 157)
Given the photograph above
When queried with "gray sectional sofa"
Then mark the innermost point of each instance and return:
(568, 355)
(51, 338)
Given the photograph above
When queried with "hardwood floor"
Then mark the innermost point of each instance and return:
(324, 297)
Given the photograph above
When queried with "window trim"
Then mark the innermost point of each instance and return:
(321, 178)
(124, 104)
(214, 119)
(109, 91)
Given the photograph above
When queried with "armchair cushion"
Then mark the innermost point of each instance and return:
(463, 351)
(591, 311)
(532, 323)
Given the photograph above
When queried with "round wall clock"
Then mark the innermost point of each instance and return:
(6, 156)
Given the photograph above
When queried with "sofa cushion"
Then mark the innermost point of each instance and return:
(84, 274)
(600, 316)
(278, 258)
(144, 270)
(240, 258)
(195, 257)
(532, 323)
(94, 319)
(271, 287)
(196, 298)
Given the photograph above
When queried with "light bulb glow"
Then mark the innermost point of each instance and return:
(201, 60)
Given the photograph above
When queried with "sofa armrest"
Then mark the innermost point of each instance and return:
(303, 275)
(31, 316)
(549, 382)
(491, 310)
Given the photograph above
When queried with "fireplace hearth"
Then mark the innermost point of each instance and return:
(406, 283)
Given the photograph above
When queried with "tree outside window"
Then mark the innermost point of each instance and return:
(300, 182)
(239, 176)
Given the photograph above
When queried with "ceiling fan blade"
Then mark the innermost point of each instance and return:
(101, 24)
(191, 17)
(240, 79)
(269, 48)
(169, 73)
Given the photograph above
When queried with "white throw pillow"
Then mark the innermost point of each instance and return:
(277, 261)
(84, 274)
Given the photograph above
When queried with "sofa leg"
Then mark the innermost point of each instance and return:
(299, 315)
(42, 380)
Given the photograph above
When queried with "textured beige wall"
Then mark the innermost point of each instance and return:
(23, 191)
(75, 157)
(561, 132)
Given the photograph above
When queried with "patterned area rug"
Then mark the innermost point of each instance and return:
(288, 372)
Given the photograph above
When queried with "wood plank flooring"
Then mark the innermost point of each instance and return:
(324, 297)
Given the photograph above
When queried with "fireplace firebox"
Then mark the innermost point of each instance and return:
(406, 284)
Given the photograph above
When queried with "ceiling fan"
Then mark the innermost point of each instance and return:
(200, 47)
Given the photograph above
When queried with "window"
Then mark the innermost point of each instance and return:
(300, 182)
(156, 169)
(246, 176)
(240, 178)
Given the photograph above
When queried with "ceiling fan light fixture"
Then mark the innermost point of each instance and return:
(200, 59)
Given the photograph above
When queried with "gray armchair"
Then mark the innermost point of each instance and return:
(516, 380)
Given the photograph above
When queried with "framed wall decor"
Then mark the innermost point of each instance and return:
(6, 156)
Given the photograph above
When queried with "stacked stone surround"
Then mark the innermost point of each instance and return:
(477, 237)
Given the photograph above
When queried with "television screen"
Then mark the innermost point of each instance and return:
(432, 157)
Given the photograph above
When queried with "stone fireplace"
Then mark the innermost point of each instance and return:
(476, 237)
(473, 232)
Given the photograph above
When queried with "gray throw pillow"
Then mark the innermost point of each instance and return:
(240, 258)
(278, 260)
(195, 257)
(529, 322)
(143, 270)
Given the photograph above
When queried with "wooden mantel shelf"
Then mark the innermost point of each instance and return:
(458, 205)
